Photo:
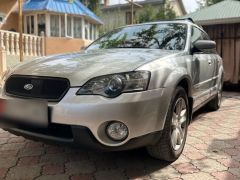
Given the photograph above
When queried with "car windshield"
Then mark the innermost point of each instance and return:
(167, 36)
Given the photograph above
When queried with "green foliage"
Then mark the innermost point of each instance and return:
(146, 36)
(149, 14)
(154, 36)
(169, 12)
(113, 43)
(92, 4)
(161, 13)
(211, 2)
(204, 3)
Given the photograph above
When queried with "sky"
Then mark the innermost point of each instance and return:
(190, 5)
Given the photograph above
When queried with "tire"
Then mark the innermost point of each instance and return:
(216, 102)
(165, 148)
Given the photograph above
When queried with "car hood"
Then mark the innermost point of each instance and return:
(82, 66)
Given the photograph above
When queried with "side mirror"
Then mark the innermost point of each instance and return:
(204, 45)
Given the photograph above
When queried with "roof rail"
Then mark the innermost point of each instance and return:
(188, 19)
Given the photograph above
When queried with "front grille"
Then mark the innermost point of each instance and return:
(51, 89)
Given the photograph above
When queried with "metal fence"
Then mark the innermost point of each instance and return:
(227, 37)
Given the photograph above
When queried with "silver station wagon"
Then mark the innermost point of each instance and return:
(136, 86)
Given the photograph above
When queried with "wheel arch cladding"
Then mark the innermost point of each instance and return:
(179, 77)
(184, 80)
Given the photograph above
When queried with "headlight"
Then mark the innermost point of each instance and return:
(115, 84)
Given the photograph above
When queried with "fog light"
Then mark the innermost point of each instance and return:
(117, 131)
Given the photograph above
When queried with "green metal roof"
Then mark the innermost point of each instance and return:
(227, 11)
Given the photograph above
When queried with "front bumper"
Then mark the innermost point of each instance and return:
(79, 136)
(143, 112)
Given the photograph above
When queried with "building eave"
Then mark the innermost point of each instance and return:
(218, 21)
(224, 12)
(55, 12)
(62, 7)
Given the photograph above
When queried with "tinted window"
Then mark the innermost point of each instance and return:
(205, 36)
(196, 35)
(153, 36)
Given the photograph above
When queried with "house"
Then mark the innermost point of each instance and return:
(120, 14)
(50, 26)
(222, 22)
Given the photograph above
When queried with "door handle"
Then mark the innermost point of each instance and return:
(210, 62)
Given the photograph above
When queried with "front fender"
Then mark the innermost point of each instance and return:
(178, 76)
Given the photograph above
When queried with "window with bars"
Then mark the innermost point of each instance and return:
(30, 24)
(54, 25)
(63, 25)
(41, 24)
(77, 24)
(60, 25)
(69, 26)
(129, 17)
(86, 30)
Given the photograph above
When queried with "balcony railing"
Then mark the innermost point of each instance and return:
(32, 45)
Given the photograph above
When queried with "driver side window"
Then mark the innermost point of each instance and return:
(196, 35)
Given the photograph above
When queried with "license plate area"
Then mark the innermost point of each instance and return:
(29, 112)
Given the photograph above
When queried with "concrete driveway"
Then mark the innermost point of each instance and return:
(212, 152)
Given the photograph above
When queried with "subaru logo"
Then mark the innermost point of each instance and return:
(28, 87)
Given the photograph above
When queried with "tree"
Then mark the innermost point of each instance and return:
(170, 13)
(166, 13)
(148, 13)
(211, 2)
(204, 3)
(92, 4)
(161, 13)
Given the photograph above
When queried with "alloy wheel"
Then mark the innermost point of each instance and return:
(178, 127)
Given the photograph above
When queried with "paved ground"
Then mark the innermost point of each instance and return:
(212, 152)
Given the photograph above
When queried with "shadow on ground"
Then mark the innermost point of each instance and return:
(223, 150)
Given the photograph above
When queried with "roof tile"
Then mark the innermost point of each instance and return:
(220, 12)
(61, 6)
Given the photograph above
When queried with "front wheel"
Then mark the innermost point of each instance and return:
(172, 141)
